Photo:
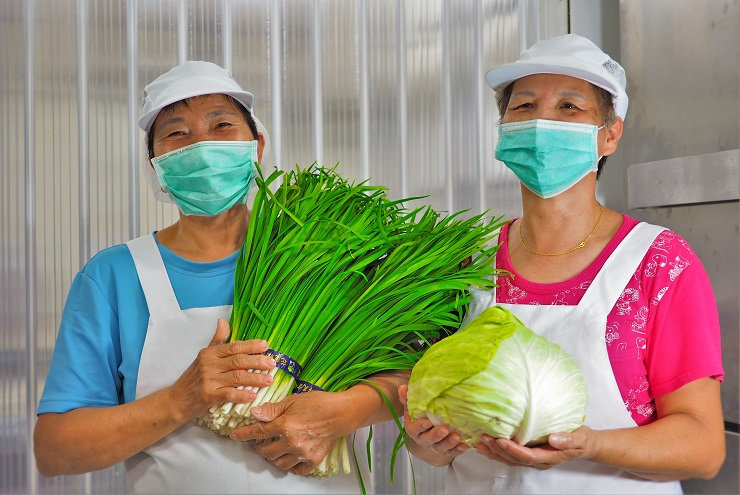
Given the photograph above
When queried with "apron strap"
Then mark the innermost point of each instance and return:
(613, 277)
(153, 275)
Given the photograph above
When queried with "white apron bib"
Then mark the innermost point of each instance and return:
(579, 330)
(194, 459)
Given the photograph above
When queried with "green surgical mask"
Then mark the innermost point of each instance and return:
(208, 177)
(548, 156)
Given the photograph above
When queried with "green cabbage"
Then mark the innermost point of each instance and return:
(498, 377)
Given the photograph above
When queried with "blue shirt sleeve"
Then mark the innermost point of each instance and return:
(85, 368)
(104, 324)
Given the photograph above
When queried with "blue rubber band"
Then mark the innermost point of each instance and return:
(285, 363)
(301, 386)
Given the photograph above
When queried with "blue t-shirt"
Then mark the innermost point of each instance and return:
(101, 336)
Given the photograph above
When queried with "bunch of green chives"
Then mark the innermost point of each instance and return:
(343, 283)
(417, 293)
(306, 251)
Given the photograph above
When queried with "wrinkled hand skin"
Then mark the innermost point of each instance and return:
(296, 433)
(437, 445)
(560, 447)
(218, 370)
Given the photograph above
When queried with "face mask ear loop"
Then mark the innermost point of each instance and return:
(598, 160)
(151, 175)
(263, 130)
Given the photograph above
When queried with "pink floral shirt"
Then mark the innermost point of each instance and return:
(662, 333)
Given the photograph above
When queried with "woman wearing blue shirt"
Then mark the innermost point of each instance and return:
(142, 349)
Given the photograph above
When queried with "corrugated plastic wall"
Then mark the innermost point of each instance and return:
(393, 90)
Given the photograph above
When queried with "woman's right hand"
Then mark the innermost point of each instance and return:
(437, 445)
(218, 370)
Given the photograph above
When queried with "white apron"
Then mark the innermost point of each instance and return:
(579, 330)
(194, 459)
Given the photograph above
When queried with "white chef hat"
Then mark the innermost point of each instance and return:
(191, 78)
(570, 55)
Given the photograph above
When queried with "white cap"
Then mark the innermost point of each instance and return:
(191, 78)
(570, 55)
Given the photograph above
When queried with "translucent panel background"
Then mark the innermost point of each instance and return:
(392, 90)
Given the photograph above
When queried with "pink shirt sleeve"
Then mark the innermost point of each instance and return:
(663, 332)
(684, 341)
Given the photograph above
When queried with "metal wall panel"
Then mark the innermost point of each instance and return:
(673, 120)
(683, 87)
(392, 90)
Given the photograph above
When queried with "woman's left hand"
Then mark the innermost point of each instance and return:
(296, 433)
(560, 447)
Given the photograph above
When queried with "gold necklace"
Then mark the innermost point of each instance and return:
(580, 245)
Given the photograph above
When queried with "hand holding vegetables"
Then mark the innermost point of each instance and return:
(297, 433)
(561, 447)
(217, 371)
(439, 444)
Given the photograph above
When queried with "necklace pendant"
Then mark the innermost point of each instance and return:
(580, 245)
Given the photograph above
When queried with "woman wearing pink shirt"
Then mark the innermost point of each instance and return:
(629, 301)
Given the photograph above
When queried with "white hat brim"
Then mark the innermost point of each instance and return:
(190, 87)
